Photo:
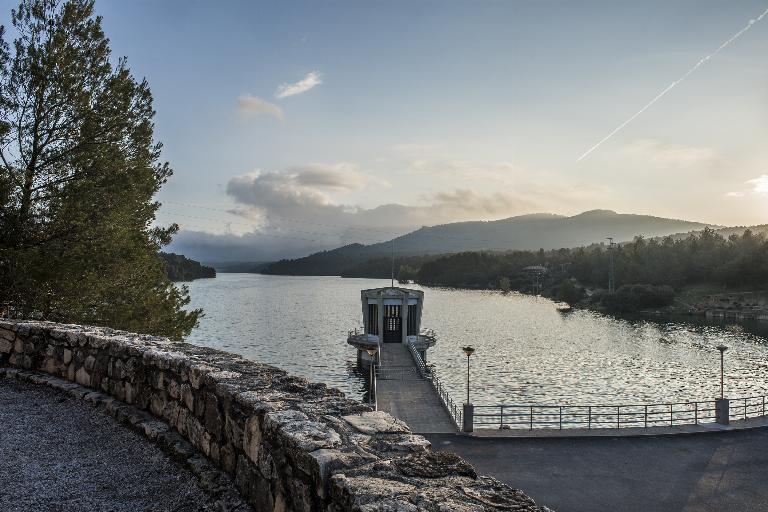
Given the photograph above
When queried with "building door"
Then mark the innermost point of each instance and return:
(393, 325)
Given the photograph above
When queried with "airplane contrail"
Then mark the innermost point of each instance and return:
(675, 83)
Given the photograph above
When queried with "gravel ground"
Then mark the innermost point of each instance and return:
(59, 454)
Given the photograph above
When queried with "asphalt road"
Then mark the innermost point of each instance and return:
(722, 472)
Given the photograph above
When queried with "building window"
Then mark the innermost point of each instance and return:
(373, 319)
(412, 320)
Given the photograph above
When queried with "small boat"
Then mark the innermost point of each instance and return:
(563, 307)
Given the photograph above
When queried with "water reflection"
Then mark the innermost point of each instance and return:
(527, 352)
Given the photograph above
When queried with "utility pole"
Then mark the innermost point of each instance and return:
(611, 270)
(392, 284)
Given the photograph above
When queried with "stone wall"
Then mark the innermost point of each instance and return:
(289, 444)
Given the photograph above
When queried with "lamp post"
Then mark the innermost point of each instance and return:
(468, 416)
(722, 349)
(722, 404)
(468, 351)
(372, 354)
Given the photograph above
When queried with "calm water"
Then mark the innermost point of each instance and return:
(527, 352)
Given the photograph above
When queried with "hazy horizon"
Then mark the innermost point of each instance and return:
(292, 126)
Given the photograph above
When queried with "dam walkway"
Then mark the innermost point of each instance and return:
(405, 394)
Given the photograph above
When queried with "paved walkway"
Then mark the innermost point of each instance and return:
(57, 453)
(714, 472)
(407, 397)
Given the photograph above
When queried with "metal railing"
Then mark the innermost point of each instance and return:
(748, 407)
(510, 416)
(429, 373)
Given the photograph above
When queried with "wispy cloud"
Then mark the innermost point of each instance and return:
(312, 80)
(759, 185)
(659, 152)
(756, 186)
(674, 84)
(254, 105)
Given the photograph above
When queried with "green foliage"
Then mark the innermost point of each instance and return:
(704, 258)
(567, 291)
(381, 267)
(637, 297)
(181, 268)
(325, 263)
(78, 172)
(406, 274)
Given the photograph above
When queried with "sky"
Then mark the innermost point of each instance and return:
(298, 125)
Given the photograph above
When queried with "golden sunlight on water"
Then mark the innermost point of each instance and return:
(527, 352)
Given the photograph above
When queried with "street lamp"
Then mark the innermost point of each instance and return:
(722, 349)
(372, 353)
(468, 351)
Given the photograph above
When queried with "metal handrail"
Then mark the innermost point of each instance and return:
(517, 416)
(430, 373)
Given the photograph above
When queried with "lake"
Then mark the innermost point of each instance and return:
(527, 352)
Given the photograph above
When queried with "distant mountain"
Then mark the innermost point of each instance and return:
(525, 232)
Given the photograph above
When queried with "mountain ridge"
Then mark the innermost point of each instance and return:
(523, 232)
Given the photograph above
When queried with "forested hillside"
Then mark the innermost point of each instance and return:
(521, 233)
(708, 257)
(181, 268)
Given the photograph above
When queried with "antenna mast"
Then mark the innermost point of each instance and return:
(611, 270)
(392, 284)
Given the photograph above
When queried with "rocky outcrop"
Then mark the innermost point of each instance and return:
(289, 444)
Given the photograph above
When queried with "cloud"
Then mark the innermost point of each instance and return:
(306, 186)
(249, 104)
(756, 187)
(302, 209)
(312, 80)
(659, 152)
(759, 185)
(313, 193)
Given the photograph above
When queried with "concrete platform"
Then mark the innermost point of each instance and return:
(700, 472)
(406, 396)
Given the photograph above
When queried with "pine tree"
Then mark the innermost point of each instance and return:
(78, 172)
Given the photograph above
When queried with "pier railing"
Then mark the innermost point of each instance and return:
(511, 416)
(430, 373)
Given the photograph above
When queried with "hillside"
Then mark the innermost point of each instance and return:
(525, 232)
(181, 268)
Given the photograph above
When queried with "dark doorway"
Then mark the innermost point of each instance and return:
(393, 325)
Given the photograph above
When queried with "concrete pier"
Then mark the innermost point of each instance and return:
(405, 395)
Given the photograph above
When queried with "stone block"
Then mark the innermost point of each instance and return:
(173, 389)
(188, 397)
(6, 346)
(376, 422)
(82, 377)
(252, 439)
(157, 403)
(212, 416)
(130, 393)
